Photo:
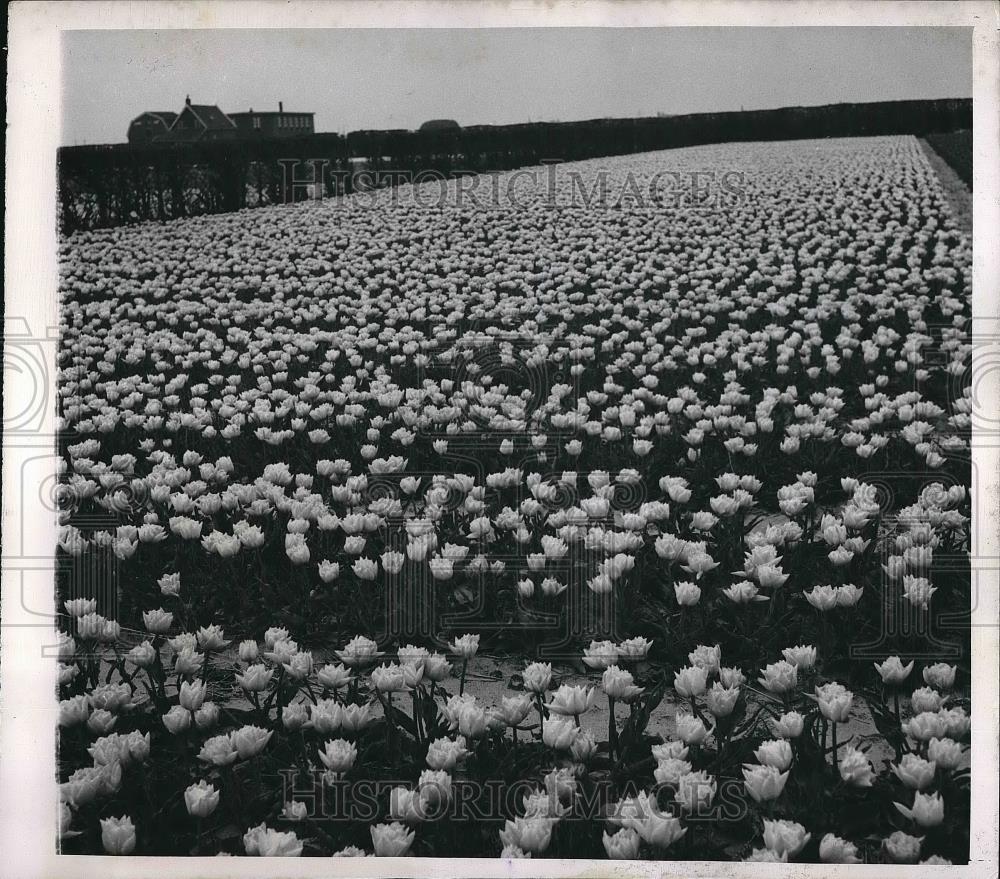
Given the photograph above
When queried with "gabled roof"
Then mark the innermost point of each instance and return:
(243, 113)
(210, 116)
(167, 117)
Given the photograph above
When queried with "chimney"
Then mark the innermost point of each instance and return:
(281, 107)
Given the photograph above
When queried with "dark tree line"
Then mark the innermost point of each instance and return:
(956, 149)
(115, 184)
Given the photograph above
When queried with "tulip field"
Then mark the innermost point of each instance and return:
(402, 524)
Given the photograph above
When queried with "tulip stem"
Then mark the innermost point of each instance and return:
(255, 701)
(833, 732)
(277, 693)
(416, 716)
(461, 680)
(204, 666)
(612, 729)
(237, 794)
(302, 756)
(311, 693)
(696, 711)
(391, 727)
(541, 711)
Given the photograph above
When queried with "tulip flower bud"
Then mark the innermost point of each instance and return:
(903, 848)
(101, 722)
(764, 783)
(118, 835)
(946, 753)
(177, 720)
(295, 811)
(940, 675)
(157, 622)
(776, 753)
(207, 716)
(192, 694)
(785, 837)
(249, 741)
(201, 799)
(248, 651)
(294, 716)
(927, 809)
(623, 845)
(558, 733)
(690, 682)
(73, 711)
(892, 670)
(391, 840)
(855, 769)
(338, 755)
(834, 850)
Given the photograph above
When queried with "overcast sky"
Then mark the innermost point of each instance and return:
(400, 78)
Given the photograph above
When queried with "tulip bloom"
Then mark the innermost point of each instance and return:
(855, 769)
(537, 676)
(789, 725)
(201, 799)
(940, 675)
(687, 594)
(927, 809)
(623, 845)
(618, 684)
(946, 753)
(915, 772)
(444, 754)
(691, 682)
(776, 753)
(466, 646)
(391, 840)
(558, 733)
(764, 783)
(219, 751)
(803, 657)
(359, 651)
(264, 842)
(834, 850)
(834, 701)
(695, 792)
(571, 701)
(118, 835)
(785, 837)
(780, 677)
(892, 670)
(903, 848)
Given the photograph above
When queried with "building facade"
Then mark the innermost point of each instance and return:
(150, 125)
(269, 123)
(206, 122)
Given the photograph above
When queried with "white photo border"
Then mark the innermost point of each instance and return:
(28, 707)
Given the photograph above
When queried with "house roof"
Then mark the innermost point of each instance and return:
(210, 116)
(243, 113)
(167, 117)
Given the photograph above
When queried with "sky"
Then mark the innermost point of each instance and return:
(399, 78)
